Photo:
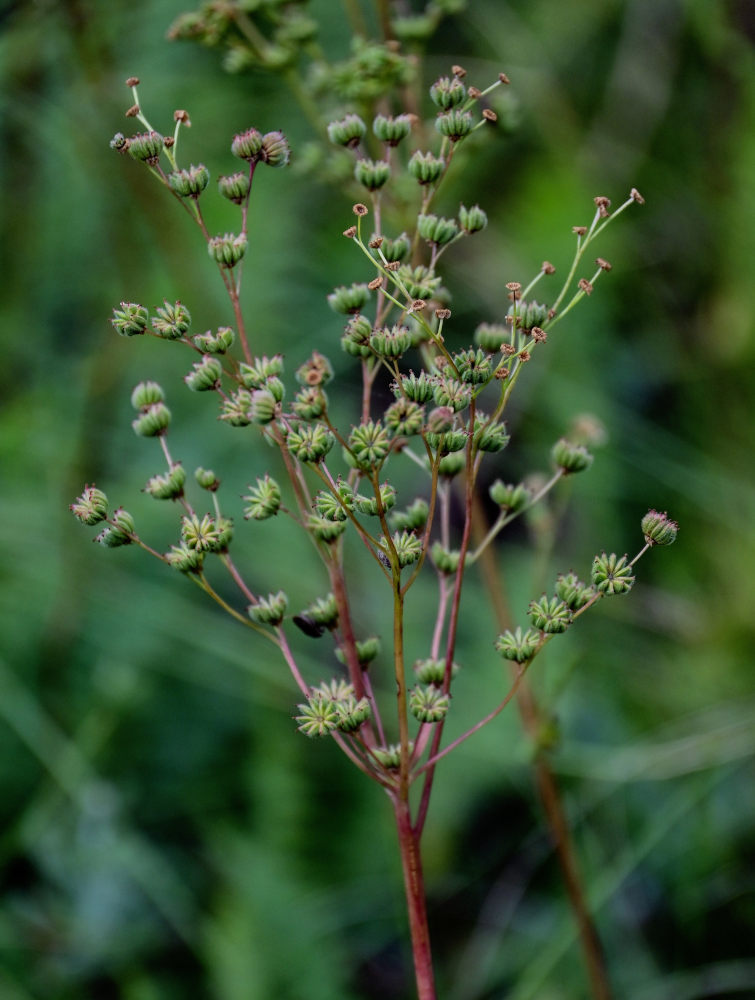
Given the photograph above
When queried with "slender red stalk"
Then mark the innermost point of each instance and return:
(414, 887)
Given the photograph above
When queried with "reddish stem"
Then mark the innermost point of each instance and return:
(414, 887)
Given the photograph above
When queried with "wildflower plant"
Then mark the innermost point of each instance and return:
(449, 389)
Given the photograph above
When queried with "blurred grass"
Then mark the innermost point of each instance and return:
(163, 828)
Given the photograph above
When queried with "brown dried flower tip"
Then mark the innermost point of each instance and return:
(547, 268)
(509, 320)
(501, 373)
(489, 116)
(514, 286)
(133, 111)
(443, 313)
(551, 313)
(508, 350)
(585, 286)
(392, 265)
(503, 78)
(524, 355)
(602, 202)
(474, 92)
(635, 195)
(359, 209)
(374, 284)
(376, 242)
(132, 81)
(459, 71)
(603, 264)
(168, 141)
(579, 230)
(418, 305)
(350, 233)
(181, 116)
(538, 335)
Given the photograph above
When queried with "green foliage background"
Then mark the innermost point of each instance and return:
(164, 831)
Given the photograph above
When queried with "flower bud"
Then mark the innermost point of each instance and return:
(425, 167)
(324, 530)
(658, 528)
(571, 457)
(235, 409)
(247, 145)
(145, 394)
(436, 230)
(490, 336)
(448, 92)
(473, 366)
(391, 343)
(153, 421)
(319, 717)
(550, 615)
(509, 497)
(366, 650)
(490, 437)
(185, 559)
(518, 646)
(227, 250)
(275, 150)
(612, 574)
(204, 375)
(408, 547)
(433, 671)
(450, 392)
(90, 507)
(207, 479)
(391, 130)
(347, 131)
(369, 505)
(369, 444)
(131, 319)
(418, 388)
(121, 531)
(269, 610)
(420, 282)
(455, 124)
(414, 518)
(372, 174)
(356, 337)
(315, 371)
(452, 465)
(446, 560)
(209, 343)
(256, 374)
(473, 219)
(169, 486)
(146, 146)
(395, 249)
(190, 183)
(390, 756)
(320, 615)
(404, 418)
(234, 187)
(171, 322)
(263, 407)
(332, 507)
(310, 443)
(428, 704)
(572, 591)
(310, 403)
(263, 500)
(349, 300)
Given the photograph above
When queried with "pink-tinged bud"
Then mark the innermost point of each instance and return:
(658, 528)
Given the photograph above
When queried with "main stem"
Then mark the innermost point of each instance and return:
(414, 887)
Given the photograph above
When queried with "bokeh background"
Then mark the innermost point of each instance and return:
(165, 832)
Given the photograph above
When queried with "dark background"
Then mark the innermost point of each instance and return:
(165, 832)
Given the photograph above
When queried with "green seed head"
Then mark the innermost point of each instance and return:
(372, 174)
(153, 421)
(171, 321)
(90, 507)
(658, 528)
(234, 187)
(448, 92)
(204, 375)
(227, 250)
(550, 615)
(518, 646)
(190, 183)
(425, 167)
(131, 319)
(571, 457)
(391, 130)
(612, 574)
(347, 131)
(145, 394)
(269, 610)
(263, 500)
(247, 145)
